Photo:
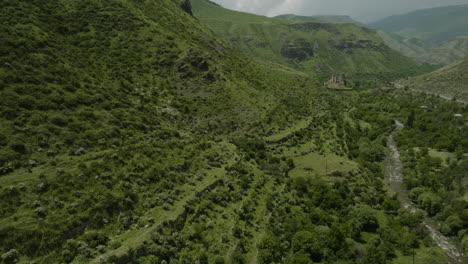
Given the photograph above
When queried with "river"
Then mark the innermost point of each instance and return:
(394, 178)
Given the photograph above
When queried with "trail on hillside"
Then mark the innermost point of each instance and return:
(394, 178)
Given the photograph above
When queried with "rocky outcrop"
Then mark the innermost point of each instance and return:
(314, 26)
(297, 49)
(357, 44)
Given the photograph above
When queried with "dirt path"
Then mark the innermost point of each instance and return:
(394, 178)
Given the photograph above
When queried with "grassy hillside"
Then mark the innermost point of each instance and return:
(435, 25)
(328, 19)
(104, 104)
(450, 81)
(317, 48)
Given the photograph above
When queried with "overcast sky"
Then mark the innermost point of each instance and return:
(362, 10)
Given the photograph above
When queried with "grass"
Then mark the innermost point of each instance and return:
(289, 131)
(315, 164)
(423, 255)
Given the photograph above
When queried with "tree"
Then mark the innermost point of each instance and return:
(452, 225)
(11, 257)
(375, 252)
(410, 121)
(308, 243)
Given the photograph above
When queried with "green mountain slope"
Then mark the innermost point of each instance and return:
(316, 48)
(328, 19)
(435, 25)
(450, 81)
(449, 52)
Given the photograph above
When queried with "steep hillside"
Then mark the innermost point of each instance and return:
(435, 25)
(316, 48)
(328, 19)
(104, 104)
(450, 81)
(449, 52)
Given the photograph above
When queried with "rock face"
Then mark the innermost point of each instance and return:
(298, 49)
(357, 44)
(313, 26)
(186, 6)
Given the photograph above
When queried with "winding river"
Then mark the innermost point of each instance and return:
(394, 178)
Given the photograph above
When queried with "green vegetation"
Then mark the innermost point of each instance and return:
(434, 148)
(131, 133)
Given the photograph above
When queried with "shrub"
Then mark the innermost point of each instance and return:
(11, 257)
(59, 120)
(451, 225)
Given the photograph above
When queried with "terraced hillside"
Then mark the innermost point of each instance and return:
(317, 48)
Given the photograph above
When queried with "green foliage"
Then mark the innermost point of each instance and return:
(10, 257)
(307, 244)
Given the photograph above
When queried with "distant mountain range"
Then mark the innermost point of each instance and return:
(435, 36)
(435, 25)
